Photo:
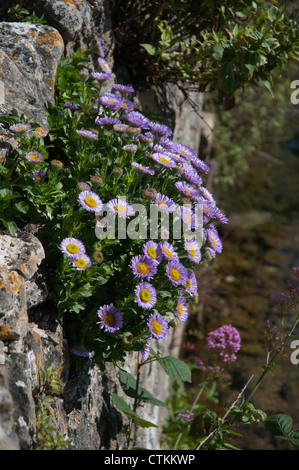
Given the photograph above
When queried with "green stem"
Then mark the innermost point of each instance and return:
(202, 387)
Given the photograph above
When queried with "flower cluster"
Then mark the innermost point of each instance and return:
(225, 341)
(114, 157)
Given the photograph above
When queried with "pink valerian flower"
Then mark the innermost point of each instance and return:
(275, 339)
(225, 341)
(187, 416)
(296, 271)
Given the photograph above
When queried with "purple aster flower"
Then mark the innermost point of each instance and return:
(168, 251)
(73, 106)
(80, 353)
(39, 175)
(158, 326)
(143, 169)
(185, 151)
(120, 208)
(150, 193)
(104, 65)
(101, 76)
(186, 189)
(81, 262)
(160, 129)
(190, 174)
(111, 319)
(181, 310)
(87, 134)
(213, 238)
(123, 88)
(90, 201)
(34, 157)
(20, 127)
(137, 119)
(106, 121)
(193, 251)
(164, 203)
(152, 250)
(189, 217)
(226, 341)
(110, 99)
(146, 348)
(143, 267)
(130, 147)
(56, 164)
(120, 127)
(100, 48)
(145, 295)
(176, 273)
(199, 164)
(163, 159)
(146, 137)
(191, 284)
(83, 186)
(127, 105)
(72, 247)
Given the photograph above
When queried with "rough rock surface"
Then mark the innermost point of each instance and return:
(31, 335)
(29, 55)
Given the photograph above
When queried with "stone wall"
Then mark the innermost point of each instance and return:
(31, 335)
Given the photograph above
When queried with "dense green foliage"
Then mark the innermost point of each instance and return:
(206, 44)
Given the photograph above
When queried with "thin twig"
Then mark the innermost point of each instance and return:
(225, 416)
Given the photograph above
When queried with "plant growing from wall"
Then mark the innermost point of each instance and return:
(206, 44)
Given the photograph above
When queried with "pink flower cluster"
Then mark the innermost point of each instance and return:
(226, 341)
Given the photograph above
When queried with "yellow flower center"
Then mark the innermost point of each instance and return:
(213, 241)
(145, 295)
(72, 248)
(163, 160)
(90, 201)
(108, 319)
(187, 191)
(191, 251)
(81, 263)
(175, 274)
(162, 204)
(156, 326)
(152, 252)
(38, 178)
(142, 268)
(119, 208)
(167, 252)
(187, 218)
(180, 309)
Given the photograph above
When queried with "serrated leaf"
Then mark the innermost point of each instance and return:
(294, 437)
(279, 425)
(176, 368)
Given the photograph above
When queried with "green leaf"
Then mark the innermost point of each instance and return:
(294, 437)
(279, 425)
(176, 368)
(124, 407)
(149, 48)
(128, 383)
